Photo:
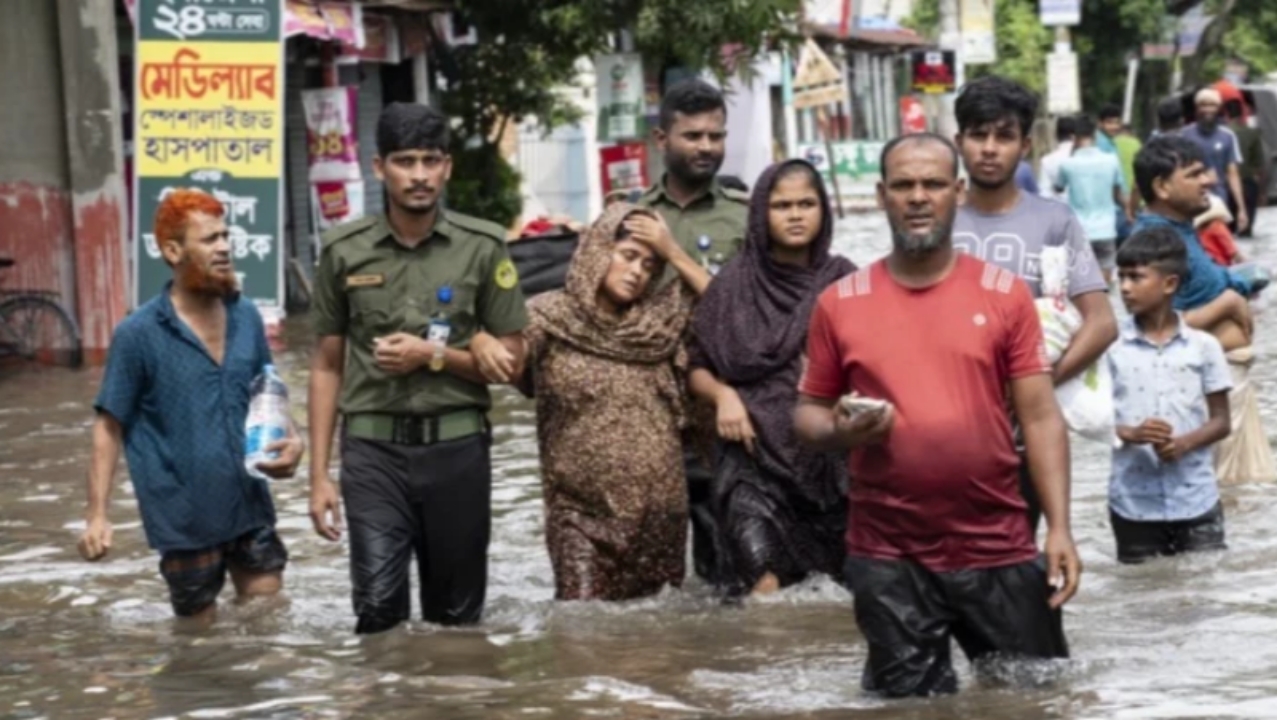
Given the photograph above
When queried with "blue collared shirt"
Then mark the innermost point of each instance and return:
(1206, 279)
(1105, 143)
(183, 420)
(1169, 383)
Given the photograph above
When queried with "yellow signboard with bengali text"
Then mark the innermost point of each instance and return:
(209, 105)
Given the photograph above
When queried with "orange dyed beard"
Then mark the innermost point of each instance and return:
(196, 279)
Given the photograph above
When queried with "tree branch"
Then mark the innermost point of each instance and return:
(1212, 37)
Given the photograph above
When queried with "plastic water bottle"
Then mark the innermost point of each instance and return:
(440, 328)
(268, 419)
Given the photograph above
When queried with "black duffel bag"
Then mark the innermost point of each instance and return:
(543, 260)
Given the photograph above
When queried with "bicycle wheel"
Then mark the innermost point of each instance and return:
(39, 329)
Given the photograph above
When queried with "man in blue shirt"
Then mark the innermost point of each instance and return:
(175, 396)
(1175, 181)
(1092, 180)
(1170, 392)
(1221, 151)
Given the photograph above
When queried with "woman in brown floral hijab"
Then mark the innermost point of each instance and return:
(606, 364)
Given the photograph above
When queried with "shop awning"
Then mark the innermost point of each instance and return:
(870, 39)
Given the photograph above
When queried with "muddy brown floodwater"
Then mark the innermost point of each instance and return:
(1189, 637)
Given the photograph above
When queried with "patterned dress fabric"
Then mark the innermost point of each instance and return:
(610, 405)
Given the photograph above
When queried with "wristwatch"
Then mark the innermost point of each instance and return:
(438, 357)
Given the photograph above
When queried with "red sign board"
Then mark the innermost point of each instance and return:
(933, 72)
(624, 166)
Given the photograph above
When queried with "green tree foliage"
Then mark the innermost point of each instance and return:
(1251, 37)
(484, 185)
(1110, 33)
(925, 18)
(527, 50)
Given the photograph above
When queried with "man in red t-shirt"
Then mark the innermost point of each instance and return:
(937, 541)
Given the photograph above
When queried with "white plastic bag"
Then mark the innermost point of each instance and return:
(1054, 262)
(1086, 400)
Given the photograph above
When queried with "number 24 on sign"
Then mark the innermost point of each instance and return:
(189, 21)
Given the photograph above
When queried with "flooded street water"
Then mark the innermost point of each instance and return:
(1188, 637)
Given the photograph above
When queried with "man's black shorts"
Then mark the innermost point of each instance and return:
(195, 577)
(908, 615)
(1138, 541)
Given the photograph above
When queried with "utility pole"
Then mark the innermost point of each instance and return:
(950, 39)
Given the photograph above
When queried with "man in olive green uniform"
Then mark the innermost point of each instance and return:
(416, 312)
(708, 221)
(706, 218)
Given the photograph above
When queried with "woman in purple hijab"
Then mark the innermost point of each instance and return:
(780, 508)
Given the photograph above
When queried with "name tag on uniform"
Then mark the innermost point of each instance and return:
(359, 281)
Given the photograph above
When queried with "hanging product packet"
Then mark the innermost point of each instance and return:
(1086, 400)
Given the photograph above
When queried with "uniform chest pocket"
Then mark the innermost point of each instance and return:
(462, 311)
(372, 307)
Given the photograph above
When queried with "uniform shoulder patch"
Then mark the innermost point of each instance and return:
(486, 228)
(506, 275)
(735, 195)
(347, 230)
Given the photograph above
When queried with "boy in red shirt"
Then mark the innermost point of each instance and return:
(938, 543)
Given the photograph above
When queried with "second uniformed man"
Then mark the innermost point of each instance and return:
(708, 222)
(707, 219)
(416, 312)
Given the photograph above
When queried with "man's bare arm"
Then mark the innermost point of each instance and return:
(327, 366)
(464, 364)
(1217, 427)
(108, 440)
(814, 423)
(820, 424)
(1046, 441)
(1235, 185)
(1098, 331)
(404, 353)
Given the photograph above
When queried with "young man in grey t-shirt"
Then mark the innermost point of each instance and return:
(1004, 226)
